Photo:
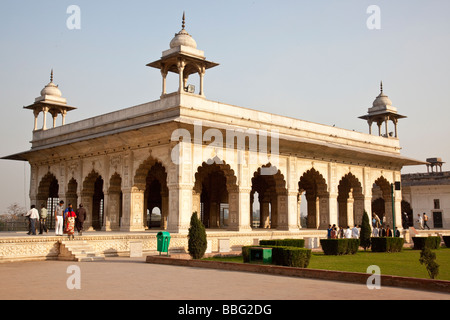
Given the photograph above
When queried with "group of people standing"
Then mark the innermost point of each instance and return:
(66, 220)
(381, 229)
(343, 233)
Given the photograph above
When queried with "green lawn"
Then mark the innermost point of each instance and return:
(405, 263)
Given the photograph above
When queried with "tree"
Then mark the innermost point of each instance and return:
(14, 212)
(427, 257)
(366, 232)
(197, 238)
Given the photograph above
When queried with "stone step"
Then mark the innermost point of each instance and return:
(79, 250)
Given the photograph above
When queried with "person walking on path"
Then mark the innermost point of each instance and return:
(59, 220)
(425, 220)
(420, 221)
(33, 215)
(43, 220)
(81, 216)
(70, 221)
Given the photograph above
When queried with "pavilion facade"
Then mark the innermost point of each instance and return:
(183, 154)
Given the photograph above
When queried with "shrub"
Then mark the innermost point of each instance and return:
(426, 242)
(283, 256)
(291, 256)
(387, 244)
(299, 243)
(339, 246)
(428, 258)
(197, 238)
(366, 232)
(447, 241)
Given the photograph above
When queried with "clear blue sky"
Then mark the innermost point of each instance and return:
(312, 60)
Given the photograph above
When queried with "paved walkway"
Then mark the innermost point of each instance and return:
(132, 278)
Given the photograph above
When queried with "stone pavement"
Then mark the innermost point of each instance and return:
(132, 279)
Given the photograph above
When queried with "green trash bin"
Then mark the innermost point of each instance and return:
(163, 241)
(261, 255)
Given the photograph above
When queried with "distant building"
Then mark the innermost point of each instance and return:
(427, 193)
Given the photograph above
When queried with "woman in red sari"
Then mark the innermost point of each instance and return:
(70, 222)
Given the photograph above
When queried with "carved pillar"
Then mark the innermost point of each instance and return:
(180, 208)
(164, 81)
(36, 114)
(333, 209)
(180, 65)
(202, 76)
(45, 110)
(293, 213)
(112, 211)
(133, 206)
(63, 113)
(264, 212)
(350, 205)
(241, 203)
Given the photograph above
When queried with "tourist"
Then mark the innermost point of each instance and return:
(348, 233)
(43, 220)
(377, 220)
(355, 232)
(375, 232)
(69, 224)
(420, 221)
(59, 219)
(33, 215)
(341, 232)
(425, 220)
(329, 231)
(81, 216)
(334, 232)
(388, 231)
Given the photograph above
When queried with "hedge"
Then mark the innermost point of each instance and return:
(387, 244)
(447, 241)
(283, 256)
(428, 242)
(299, 243)
(338, 247)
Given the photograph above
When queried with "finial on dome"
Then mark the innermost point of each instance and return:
(184, 21)
(51, 76)
(381, 87)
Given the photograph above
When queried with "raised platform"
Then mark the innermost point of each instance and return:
(18, 246)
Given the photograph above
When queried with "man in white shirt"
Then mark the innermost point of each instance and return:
(33, 215)
(348, 233)
(59, 218)
(420, 221)
(355, 232)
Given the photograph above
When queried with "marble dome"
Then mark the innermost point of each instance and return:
(51, 90)
(183, 38)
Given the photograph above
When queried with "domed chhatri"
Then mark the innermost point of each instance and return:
(183, 58)
(381, 112)
(51, 92)
(382, 102)
(183, 38)
(50, 101)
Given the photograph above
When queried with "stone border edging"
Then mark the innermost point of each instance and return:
(353, 277)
